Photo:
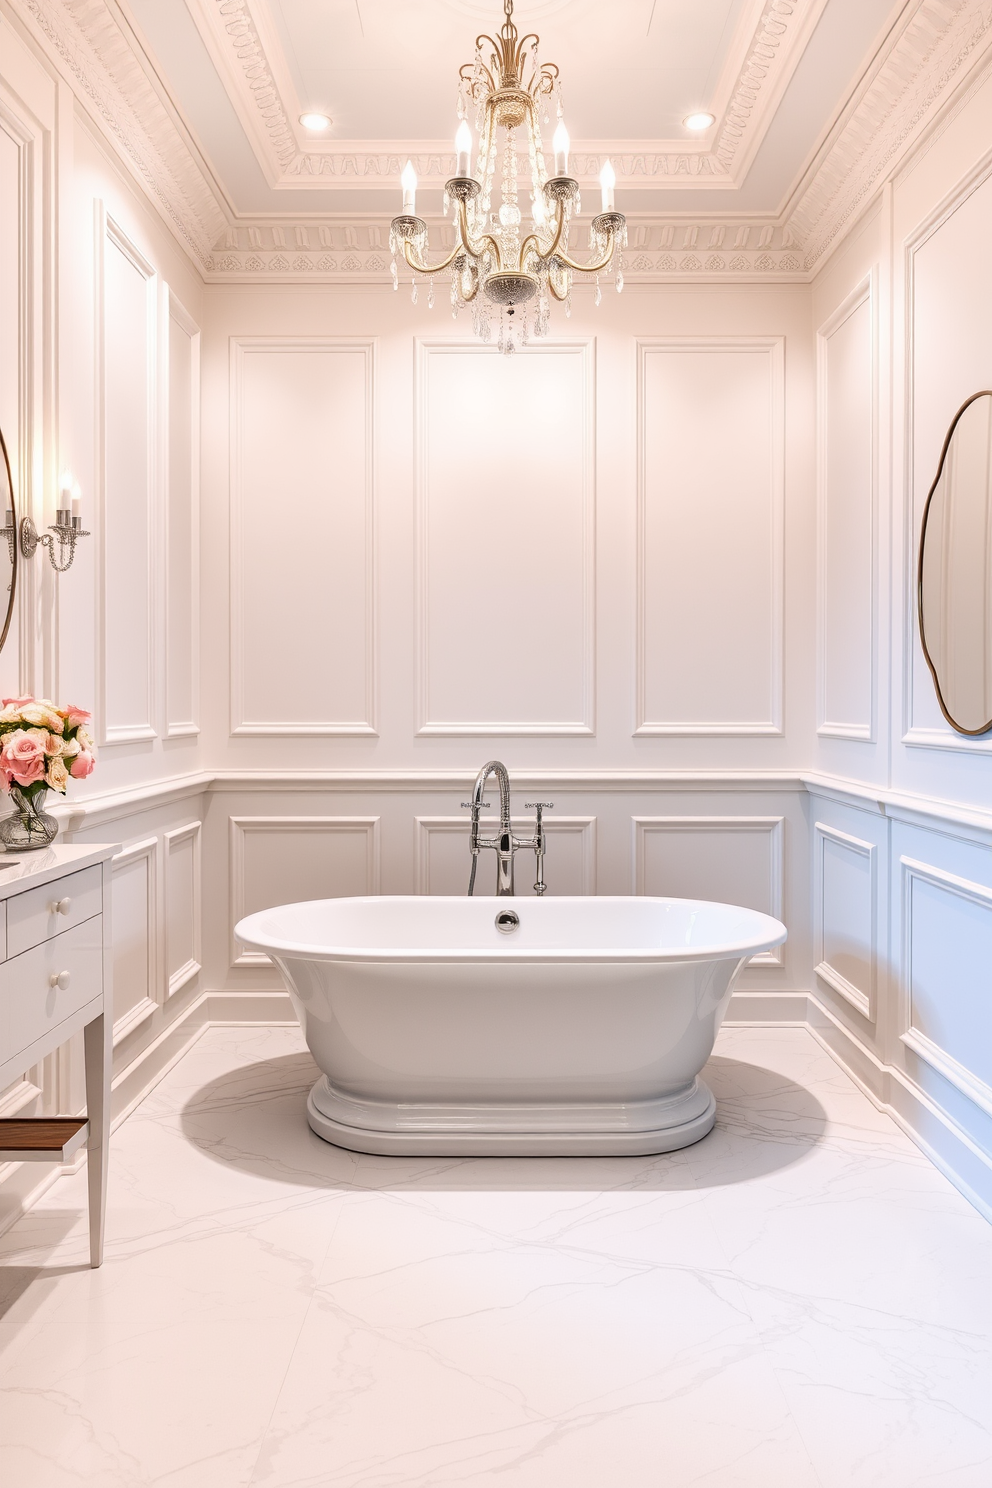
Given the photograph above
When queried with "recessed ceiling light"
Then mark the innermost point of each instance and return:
(316, 122)
(699, 121)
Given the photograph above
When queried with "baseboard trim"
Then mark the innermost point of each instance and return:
(940, 1139)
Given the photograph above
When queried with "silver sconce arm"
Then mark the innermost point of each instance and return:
(60, 539)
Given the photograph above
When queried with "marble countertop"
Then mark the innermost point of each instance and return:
(28, 870)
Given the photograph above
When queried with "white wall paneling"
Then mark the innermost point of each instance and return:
(182, 910)
(283, 859)
(946, 954)
(505, 539)
(128, 482)
(732, 859)
(711, 492)
(136, 935)
(181, 444)
(846, 519)
(302, 528)
(948, 334)
(845, 915)
(443, 860)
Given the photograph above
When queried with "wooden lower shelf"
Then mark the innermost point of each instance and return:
(42, 1138)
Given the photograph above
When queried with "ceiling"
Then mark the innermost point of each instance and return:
(777, 73)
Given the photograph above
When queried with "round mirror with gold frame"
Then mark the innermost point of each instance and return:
(954, 576)
(8, 549)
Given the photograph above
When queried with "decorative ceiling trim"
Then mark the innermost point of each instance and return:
(358, 252)
(937, 46)
(109, 73)
(926, 59)
(247, 53)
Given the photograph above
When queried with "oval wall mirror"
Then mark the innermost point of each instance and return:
(955, 570)
(8, 549)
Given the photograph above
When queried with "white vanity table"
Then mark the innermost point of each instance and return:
(55, 979)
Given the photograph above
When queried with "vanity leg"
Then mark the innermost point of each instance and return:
(97, 1049)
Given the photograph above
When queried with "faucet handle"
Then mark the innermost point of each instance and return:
(539, 805)
(476, 805)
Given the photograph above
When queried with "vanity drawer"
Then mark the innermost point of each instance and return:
(32, 916)
(29, 1004)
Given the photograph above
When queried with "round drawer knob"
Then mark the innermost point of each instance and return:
(61, 906)
(60, 979)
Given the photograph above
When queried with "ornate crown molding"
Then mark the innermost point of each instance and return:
(102, 60)
(358, 252)
(242, 41)
(938, 44)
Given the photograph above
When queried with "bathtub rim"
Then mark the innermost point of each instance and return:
(248, 932)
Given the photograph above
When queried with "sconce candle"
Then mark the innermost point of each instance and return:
(607, 181)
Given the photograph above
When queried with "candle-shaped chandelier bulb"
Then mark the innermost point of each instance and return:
(77, 498)
(408, 180)
(607, 182)
(463, 150)
(561, 144)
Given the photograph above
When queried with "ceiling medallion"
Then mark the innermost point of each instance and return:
(498, 266)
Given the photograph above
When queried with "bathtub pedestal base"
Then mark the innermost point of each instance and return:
(505, 1130)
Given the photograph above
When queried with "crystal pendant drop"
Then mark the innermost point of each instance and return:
(430, 293)
(413, 291)
(395, 273)
(599, 292)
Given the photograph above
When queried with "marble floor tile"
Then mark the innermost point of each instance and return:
(799, 1301)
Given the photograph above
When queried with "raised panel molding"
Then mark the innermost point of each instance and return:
(929, 1049)
(132, 575)
(769, 643)
(181, 523)
(308, 537)
(769, 828)
(581, 827)
(140, 857)
(936, 734)
(858, 611)
(180, 969)
(522, 588)
(365, 829)
(861, 998)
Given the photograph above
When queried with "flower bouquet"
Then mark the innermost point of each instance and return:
(40, 747)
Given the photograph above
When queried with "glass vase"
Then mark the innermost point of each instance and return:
(28, 826)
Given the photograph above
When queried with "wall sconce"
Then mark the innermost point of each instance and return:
(60, 539)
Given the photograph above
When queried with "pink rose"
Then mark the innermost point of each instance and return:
(23, 756)
(75, 716)
(16, 702)
(82, 765)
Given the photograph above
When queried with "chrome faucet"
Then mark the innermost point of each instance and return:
(504, 844)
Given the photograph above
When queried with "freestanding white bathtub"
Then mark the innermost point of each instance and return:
(580, 1029)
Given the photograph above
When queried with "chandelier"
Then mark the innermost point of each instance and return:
(501, 267)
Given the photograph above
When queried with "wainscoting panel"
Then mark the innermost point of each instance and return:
(443, 859)
(733, 859)
(846, 519)
(302, 566)
(128, 482)
(845, 916)
(182, 587)
(710, 535)
(283, 859)
(505, 536)
(947, 953)
(182, 906)
(136, 926)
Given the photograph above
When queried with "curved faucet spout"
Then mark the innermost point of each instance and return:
(504, 844)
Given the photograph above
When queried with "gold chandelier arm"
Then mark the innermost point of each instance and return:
(476, 249)
(545, 254)
(591, 268)
(423, 268)
(561, 298)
